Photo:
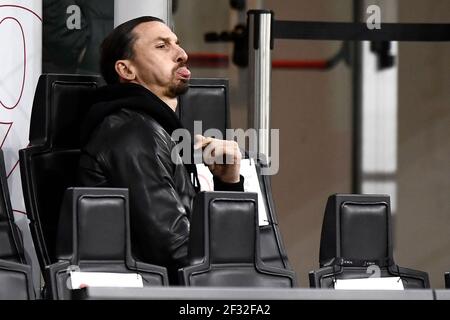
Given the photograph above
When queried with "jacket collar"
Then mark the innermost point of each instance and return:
(111, 98)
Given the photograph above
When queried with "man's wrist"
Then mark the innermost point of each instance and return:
(220, 185)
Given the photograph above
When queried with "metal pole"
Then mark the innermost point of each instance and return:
(375, 110)
(357, 103)
(260, 45)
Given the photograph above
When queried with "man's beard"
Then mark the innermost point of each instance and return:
(174, 90)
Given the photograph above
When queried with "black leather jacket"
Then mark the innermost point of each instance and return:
(127, 143)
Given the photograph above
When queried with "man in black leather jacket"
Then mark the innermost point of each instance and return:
(127, 140)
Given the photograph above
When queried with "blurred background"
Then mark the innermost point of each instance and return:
(314, 110)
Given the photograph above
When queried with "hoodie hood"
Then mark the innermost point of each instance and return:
(111, 98)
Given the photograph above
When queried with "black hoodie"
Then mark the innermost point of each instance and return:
(127, 143)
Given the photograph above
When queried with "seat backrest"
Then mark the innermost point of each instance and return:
(94, 236)
(447, 280)
(356, 234)
(224, 244)
(48, 165)
(207, 100)
(15, 274)
(356, 227)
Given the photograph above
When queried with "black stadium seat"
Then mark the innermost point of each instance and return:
(49, 164)
(447, 280)
(207, 101)
(224, 248)
(94, 236)
(356, 234)
(15, 275)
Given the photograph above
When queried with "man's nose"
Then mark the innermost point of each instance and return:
(182, 55)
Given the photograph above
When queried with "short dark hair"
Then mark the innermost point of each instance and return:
(119, 45)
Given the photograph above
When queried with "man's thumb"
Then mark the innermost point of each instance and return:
(198, 141)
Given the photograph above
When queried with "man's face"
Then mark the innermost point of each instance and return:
(159, 62)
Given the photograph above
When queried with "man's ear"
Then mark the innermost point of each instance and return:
(125, 70)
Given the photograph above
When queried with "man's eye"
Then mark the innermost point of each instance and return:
(161, 46)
